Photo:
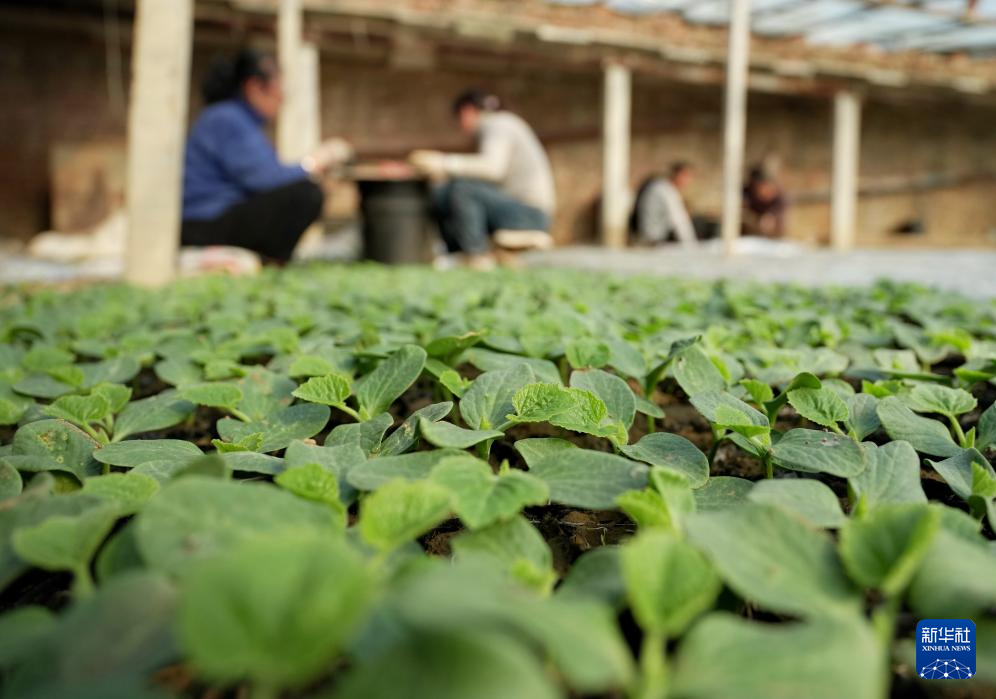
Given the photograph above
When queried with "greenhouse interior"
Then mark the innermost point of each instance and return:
(498, 349)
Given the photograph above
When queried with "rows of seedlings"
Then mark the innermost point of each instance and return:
(368, 483)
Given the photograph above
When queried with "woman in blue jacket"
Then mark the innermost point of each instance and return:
(235, 189)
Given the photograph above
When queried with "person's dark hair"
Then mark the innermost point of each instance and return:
(680, 166)
(228, 74)
(758, 175)
(480, 99)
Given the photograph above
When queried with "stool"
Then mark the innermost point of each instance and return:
(522, 240)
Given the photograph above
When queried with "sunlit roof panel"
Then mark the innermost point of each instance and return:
(930, 25)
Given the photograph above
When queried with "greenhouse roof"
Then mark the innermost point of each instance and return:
(794, 51)
(943, 26)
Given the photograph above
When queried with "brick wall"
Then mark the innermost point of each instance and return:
(55, 89)
(903, 147)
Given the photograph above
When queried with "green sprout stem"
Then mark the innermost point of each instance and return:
(884, 625)
(82, 582)
(717, 439)
(859, 504)
(884, 620)
(236, 413)
(100, 437)
(484, 449)
(349, 411)
(653, 668)
(958, 431)
(769, 466)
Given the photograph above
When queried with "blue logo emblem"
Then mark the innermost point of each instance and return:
(945, 649)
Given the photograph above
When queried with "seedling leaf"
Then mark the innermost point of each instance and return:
(812, 451)
(128, 492)
(241, 615)
(197, 518)
(826, 658)
(379, 389)
(406, 435)
(490, 397)
(883, 550)
(159, 412)
(212, 395)
(892, 475)
(669, 583)
(613, 391)
(313, 482)
(932, 398)
(55, 445)
(446, 434)
(819, 405)
(673, 452)
(400, 511)
(769, 557)
(588, 479)
(331, 389)
(516, 546)
(480, 497)
(279, 429)
(927, 436)
(137, 452)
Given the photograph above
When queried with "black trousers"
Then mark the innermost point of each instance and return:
(269, 223)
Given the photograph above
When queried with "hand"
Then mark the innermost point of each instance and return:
(330, 153)
(429, 162)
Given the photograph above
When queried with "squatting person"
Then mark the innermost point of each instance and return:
(507, 185)
(659, 212)
(764, 205)
(235, 189)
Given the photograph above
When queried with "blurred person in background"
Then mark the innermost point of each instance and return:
(659, 213)
(764, 205)
(506, 187)
(236, 192)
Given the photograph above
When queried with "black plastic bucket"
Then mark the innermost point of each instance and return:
(397, 226)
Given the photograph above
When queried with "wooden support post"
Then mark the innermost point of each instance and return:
(310, 101)
(299, 122)
(307, 116)
(846, 158)
(735, 123)
(616, 197)
(157, 120)
(289, 41)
